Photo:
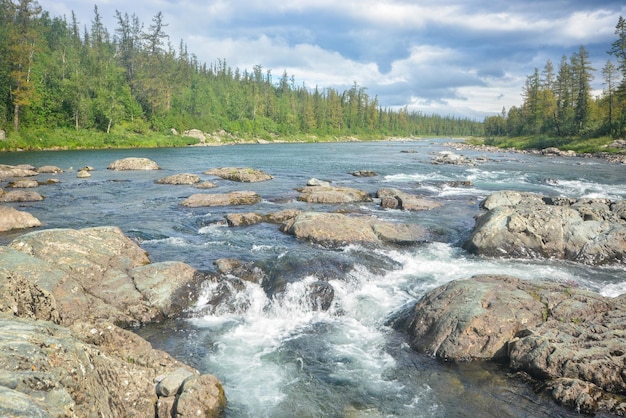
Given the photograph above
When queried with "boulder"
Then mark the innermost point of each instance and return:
(246, 271)
(23, 184)
(49, 169)
(133, 163)
(396, 199)
(205, 185)
(364, 173)
(83, 174)
(224, 199)
(516, 224)
(244, 175)
(333, 229)
(570, 340)
(20, 196)
(99, 274)
(331, 195)
(8, 171)
(11, 218)
(315, 182)
(178, 179)
(244, 219)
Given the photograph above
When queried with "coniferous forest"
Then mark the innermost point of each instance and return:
(558, 102)
(64, 75)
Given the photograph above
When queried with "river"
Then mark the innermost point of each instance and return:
(276, 355)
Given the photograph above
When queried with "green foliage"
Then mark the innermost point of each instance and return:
(132, 89)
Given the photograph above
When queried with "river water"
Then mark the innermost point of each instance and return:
(276, 354)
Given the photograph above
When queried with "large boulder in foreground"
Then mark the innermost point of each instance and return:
(222, 199)
(61, 354)
(332, 195)
(134, 163)
(241, 174)
(571, 340)
(90, 370)
(99, 274)
(334, 229)
(11, 218)
(527, 225)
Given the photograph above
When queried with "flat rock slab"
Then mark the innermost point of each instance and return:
(241, 174)
(11, 218)
(396, 199)
(133, 163)
(334, 229)
(333, 195)
(180, 179)
(222, 199)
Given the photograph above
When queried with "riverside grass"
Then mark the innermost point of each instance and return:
(580, 145)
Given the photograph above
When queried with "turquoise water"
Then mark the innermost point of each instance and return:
(278, 357)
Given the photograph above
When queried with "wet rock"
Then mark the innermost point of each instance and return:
(364, 173)
(246, 271)
(526, 225)
(49, 169)
(20, 196)
(570, 340)
(227, 199)
(11, 218)
(83, 174)
(320, 295)
(396, 199)
(333, 229)
(331, 195)
(244, 219)
(23, 184)
(133, 163)
(178, 179)
(316, 182)
(241, 174)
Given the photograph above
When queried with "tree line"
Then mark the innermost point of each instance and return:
(559, 103)
(56, 74)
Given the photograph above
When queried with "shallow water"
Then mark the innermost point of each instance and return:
(278, 356)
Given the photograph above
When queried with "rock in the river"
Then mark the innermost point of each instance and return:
(517, 224)
(241, 174)
(20, 196)
(8, 171)
(334, 229)
(364, 173)
(223, 199)
(571, 340)
(99, 274)
(396, 199)
(331, 195)
(49, 169)
(133, 163)
(83, 174)
(244, 219)
(11, 218)
(178, 179)
(23, 184)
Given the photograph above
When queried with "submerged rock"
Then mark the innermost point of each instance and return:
(570, 339)
(527, 225)
(180, 179)
(133, 163)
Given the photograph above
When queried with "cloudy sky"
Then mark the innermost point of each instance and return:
(459, 57)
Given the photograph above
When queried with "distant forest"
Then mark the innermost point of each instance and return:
(559, 103)
(55, 74)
